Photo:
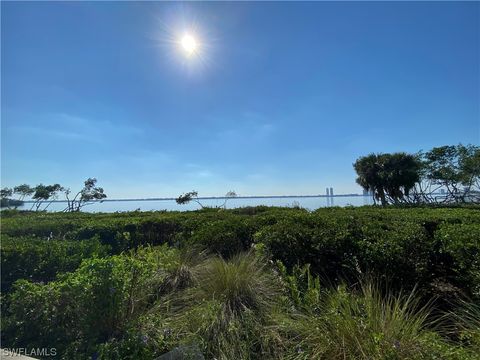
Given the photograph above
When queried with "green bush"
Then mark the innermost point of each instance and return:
(224, 237)
(86, 308)
(154, 231)
(398, 254)
(41, 260)
(327, 244)
(460, 244)
(302, 287)
(143, 302)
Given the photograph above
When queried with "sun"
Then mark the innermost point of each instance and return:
(189, 44)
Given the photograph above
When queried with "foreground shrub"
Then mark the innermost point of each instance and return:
(148, 302)
(226, 237)
(85, 308)
(226, 313)
(461, 256)
(157, 300)
(369, 325)
(467, 322)
(327, 244)
(40, 260)
(302, 287)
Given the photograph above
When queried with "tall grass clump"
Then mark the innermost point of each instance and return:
(181, 275)
(363, 324)
(467, 323)
(227, 313)
(242, 283)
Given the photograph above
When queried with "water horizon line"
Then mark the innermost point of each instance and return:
(219, 198)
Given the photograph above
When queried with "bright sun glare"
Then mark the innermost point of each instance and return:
(189, 44)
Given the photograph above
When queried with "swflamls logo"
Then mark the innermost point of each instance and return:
(43, 352)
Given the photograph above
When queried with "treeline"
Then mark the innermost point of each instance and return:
(43, 195)
(446, 174)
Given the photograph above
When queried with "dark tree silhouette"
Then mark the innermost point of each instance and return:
(86, 196)
(390, 177)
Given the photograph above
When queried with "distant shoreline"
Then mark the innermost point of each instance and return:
(224, 197)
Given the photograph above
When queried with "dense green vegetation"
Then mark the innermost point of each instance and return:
(417, 178)
(249, 283)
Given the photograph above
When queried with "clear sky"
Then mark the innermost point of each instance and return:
(281, 98)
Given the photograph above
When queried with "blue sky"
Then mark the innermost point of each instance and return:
(281, 98)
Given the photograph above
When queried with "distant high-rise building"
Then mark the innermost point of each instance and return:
(331, 191)
(327, 191)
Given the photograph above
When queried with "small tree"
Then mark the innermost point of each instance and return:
(86, 196)
(456, 169)
(45, 193)
(229, 195)
(23, 191)
(190, 196)
(193, 196)
(5, 195)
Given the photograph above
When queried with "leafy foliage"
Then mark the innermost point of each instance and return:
(90, 192)
(454, 166)
(39, 260)
(406, 178)
(253, 283)
(85, 308)
(44, 193)
(390, 177)
(189, 196)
